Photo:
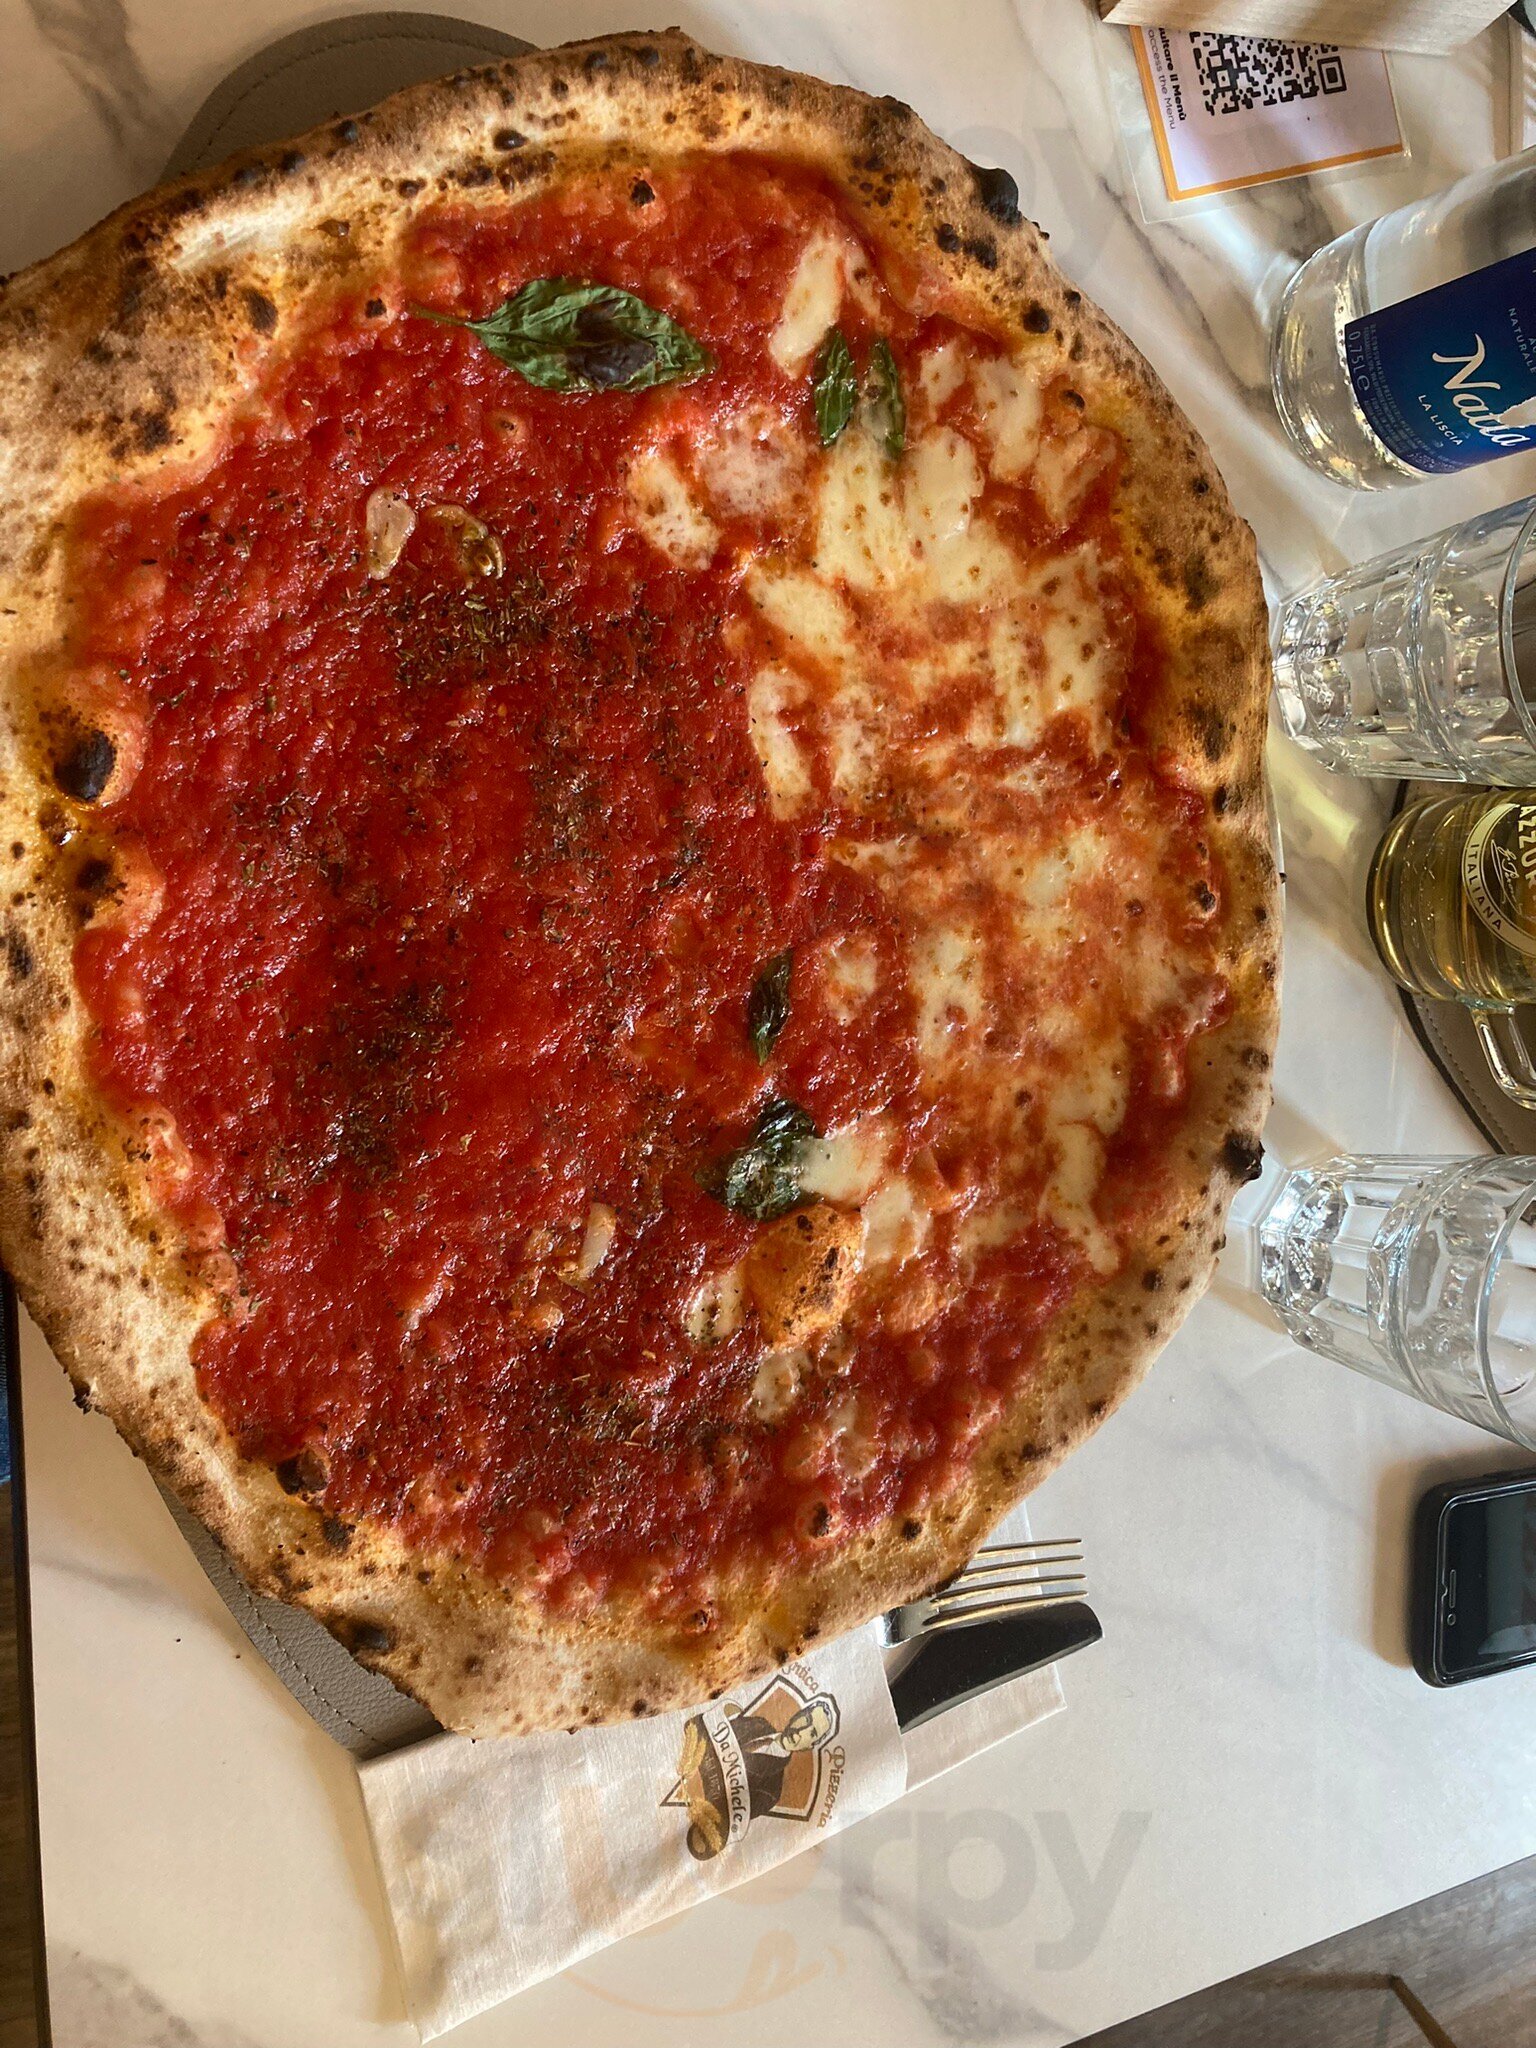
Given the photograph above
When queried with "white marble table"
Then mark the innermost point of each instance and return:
(1247, 1762)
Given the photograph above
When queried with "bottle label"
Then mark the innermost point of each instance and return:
(1448, 378)
(1500, 877)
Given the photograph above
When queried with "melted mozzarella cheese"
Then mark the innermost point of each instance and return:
(715, 1310)
(811, 305)
(1012, 406)
(940, 374)
(776, 1383)
(850, 976)
(666, 511)
(807, 611)
(846, 1166)
(756, 467)
(773, 693)
(948, 977)
(897, 1223)
(1070, 1190)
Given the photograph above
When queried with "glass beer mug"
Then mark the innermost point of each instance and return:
(1451, 902)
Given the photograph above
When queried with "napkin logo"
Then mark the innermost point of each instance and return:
(777, 1756)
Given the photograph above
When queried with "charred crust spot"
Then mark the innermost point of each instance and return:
(998, 193)
(94, 878)
(948, 238)
(911, 1529)
(1152, 1280)
(640, 1708)
(1205, 897)
(559, 89)
(346, 131)
(247, 175)
(1201, 486)
(374, 309)
(1029, 1452)
(819, 1519)
(1212, 728)
(983, 250)
(152, 429)
(1097, 1410)
(371, 1636)
(1221, 798)
(82, 1399)
(648, 55)
(1242, 1156)
(337, 1534)
(86, 769)
(307, 1472)
(596, 60)
(641, 193)
(1253, 1056)
(18, 956)
(1036, 320)
(472, 1665)
(1074, 298)
(290, 161)
(1200, 586)
(508, 138)
(409, 187)
(477, 174)
(19, 1120)
(260, 310)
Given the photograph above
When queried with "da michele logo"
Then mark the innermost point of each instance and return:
(776, 1757)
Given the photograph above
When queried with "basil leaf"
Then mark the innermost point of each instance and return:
(761, 1179)
(882, 395)
(768, 1004)
(565, 334)
(834, 388)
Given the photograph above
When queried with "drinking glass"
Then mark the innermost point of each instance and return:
(1418, 1272)
(1422, 662)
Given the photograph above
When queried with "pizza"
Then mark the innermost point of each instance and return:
(639, 953)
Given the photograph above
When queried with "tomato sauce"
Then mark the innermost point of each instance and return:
(466, 883)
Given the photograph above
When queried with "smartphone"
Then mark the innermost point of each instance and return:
(1474, 1578)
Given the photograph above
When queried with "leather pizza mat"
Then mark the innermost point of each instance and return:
(1448, 1036)
(334, 68)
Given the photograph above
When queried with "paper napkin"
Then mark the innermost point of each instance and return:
(506, 1861)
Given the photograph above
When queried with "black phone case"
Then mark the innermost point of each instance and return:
(1428, 1573)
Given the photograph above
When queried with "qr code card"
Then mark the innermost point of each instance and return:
(1229, 111)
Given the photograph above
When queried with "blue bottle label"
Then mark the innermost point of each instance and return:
(1448, 377)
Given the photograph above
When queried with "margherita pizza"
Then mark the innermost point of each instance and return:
(639, 953)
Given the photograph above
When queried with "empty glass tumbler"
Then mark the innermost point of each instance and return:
(1419, 1272)
(1422, 662)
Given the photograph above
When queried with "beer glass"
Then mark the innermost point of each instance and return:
(1419, 1272)
(1422, 662)
(1451, 902)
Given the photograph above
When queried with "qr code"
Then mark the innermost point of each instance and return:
(1240, 72)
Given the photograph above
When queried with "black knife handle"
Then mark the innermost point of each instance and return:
(959, 1664)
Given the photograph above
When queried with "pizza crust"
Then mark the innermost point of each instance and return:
(119, 357)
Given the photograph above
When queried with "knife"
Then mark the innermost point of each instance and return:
(23, 1973)
(954, 1665)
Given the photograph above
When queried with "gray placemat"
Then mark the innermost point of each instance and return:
(336, 67)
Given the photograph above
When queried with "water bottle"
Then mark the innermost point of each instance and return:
(1407, 348)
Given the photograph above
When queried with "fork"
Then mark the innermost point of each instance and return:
(1001, 1579)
